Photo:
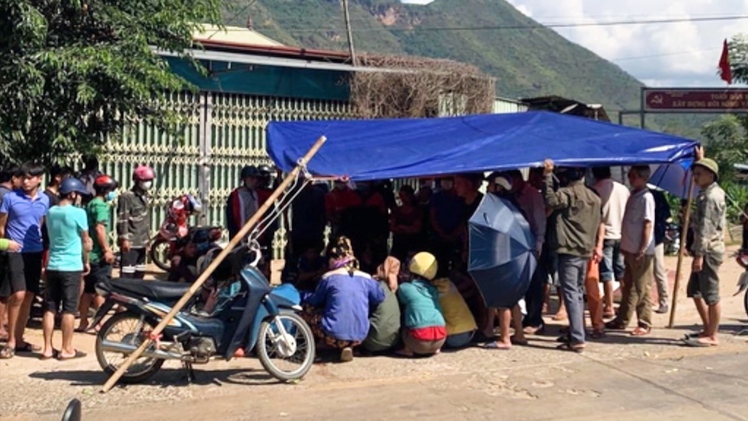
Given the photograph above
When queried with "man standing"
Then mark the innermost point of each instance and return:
(708, 249)
(134, 223)
(446, 214)
(662, 213)
(243, 202)
(9, 181)
(101, 256)
(614, 196)
(637, 245)
(56, 176)
(68, 261)
(21, 216)
(577, 225)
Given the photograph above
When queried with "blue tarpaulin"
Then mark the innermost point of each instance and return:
(383, 149)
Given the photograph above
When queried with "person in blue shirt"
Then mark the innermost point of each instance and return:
(338, 311)
(69, 245)
(21, 216)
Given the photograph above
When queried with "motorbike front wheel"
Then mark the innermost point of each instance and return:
(286, 339)
(126, 328)
(745, 301)
(159, 254)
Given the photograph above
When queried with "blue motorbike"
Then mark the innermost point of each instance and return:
(239, 310)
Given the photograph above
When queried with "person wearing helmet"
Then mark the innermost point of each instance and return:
(708, 251)
(243, 202)
(338, 311)
(424, 328)
(134, 222)
(22, 212)
(101, 257)
(68, 260)
(264, 190)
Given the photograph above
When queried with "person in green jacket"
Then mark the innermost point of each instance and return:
(9, 245)
(424, 328)
(384, 321)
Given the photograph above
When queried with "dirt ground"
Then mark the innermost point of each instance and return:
(619, 377)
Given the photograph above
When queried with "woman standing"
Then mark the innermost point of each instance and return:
(338, 311)
(406, 224)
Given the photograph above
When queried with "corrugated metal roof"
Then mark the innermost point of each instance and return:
(234, 35)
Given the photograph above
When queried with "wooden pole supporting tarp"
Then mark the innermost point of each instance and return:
(209, 270)
(681, 252)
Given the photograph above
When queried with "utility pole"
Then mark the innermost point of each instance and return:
(349, 31)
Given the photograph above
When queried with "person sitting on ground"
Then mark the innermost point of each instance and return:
(461, 325)
(424, 328)
(338, 311)
(384, 332)
(310, 269)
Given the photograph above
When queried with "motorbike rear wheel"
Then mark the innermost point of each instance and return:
(127, 326)
(159, 254)
(296, 346)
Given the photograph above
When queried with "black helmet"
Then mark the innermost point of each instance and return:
(264, 169)
(249, 171)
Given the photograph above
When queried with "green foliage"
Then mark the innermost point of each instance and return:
(74, 71)
(726, 141)
(738, 47)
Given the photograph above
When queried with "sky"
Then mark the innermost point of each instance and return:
(674, 54)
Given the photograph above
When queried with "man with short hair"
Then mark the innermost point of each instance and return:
(614, 196)
(68, 261)
(577, 224)
(56, 176)
(21, 216)
(637, 245)
(708, 224)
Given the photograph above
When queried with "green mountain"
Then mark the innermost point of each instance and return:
(526, 59)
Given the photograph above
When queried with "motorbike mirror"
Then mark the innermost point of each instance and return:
(73, 411)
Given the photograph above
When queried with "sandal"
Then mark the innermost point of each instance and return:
(615, 325)
(696, 343)
(78, 354)
(597, 334)
(497, 346)
(578, 348)
(564, 338)
(7, 353)
(641, 331)
(519, 342)
(55, 354)
(27, 348)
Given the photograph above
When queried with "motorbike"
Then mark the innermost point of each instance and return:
(238, 309)
(164, 247)
(742, 260)
(672, 238)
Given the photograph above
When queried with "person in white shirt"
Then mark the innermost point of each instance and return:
(614, 196)
(638, 248)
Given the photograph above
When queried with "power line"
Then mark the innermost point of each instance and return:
(533, 26)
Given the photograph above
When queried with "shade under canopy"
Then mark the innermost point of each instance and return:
(400, 148)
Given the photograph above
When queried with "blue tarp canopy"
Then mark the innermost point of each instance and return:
(400, 148)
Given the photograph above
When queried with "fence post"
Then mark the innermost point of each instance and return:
(205, 135)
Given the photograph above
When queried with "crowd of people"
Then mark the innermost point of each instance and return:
(412, 296)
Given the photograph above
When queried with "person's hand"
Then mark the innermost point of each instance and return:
(88, 244)
(126, 246)
(548, 166)
(698, 264)
(13, 246)
(640, 255)
(86, 268)
(597, 254)
(699, 153)
(109, 257)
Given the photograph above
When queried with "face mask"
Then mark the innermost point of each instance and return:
(110, 196)
(145, 185)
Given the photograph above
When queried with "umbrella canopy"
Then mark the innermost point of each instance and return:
(501, 252)
(674, 178)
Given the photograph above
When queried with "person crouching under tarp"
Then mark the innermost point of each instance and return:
(424, 329)
(338, 311)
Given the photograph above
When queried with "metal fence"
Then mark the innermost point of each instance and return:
(220, 134)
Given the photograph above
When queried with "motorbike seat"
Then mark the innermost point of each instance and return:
(150, 289)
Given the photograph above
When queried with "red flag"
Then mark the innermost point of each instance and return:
(725, 72)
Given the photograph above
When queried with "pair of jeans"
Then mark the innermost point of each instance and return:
(572, 271)
(612, 267)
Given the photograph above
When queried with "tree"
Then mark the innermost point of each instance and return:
(738, 48)
(74, 71)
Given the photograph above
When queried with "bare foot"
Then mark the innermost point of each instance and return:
(560, 316)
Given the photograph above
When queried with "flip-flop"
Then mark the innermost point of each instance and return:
(692, 335)
(27, 348)
(78, 354)
(497, 346)
(55, 354)
(7, 353)
(641, 331)
(518, 342)
(696, 343)
(572, 348)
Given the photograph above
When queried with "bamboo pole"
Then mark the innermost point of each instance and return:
(209, 270)
(681, 252)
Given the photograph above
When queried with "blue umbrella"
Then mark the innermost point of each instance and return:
(501, 252)
(674, 178)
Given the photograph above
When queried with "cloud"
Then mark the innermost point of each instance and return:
(684, 53)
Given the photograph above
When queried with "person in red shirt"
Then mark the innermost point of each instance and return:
(340, 199)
